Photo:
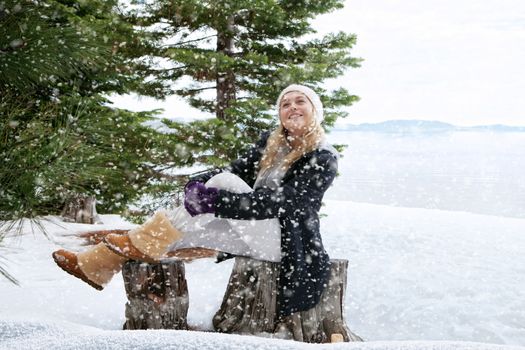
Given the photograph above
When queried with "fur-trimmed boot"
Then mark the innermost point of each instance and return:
(96, 266)
(148, 242)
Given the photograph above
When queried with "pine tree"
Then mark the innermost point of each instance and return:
(59, 60)
(239, 54)
(60, 137)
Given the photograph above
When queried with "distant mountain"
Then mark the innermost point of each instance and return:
(423, 126)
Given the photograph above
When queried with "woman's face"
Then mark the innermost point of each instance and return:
(296, 113)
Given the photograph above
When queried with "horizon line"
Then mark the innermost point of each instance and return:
(348, 123)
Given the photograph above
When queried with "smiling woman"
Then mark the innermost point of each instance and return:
(264, 206)
(296, 114)
(299, 132)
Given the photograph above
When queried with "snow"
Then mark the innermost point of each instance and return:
(418, 279)
(432, 225)
(64, 335)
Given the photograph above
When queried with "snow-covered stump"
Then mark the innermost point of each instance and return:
(157, 295)
(250, 305)
(324, 322)
(81, 209)
(250, 301)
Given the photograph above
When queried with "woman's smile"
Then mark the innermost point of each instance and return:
(296, 113)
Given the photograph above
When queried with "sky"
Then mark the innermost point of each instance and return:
(456, 61)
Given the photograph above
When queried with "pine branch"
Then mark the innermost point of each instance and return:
(192, 92)
(181, 43)
(7, 275)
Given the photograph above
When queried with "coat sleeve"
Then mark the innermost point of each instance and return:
(300, 192)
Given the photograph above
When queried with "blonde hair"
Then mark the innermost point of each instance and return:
(277, 138)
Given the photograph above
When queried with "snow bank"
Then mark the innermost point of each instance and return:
(418, 279)
(67, 336)
(430, 274)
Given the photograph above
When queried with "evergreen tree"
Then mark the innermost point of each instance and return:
(59, 136)
(59, 59)
(239, 54)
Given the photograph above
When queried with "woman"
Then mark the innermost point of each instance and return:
(265, 205)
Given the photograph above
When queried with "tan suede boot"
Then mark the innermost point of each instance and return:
(100, 264)
(68, 262)
(121, 245)
(154, 236)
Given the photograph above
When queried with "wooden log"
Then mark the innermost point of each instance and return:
(324, 322)
(157, 295)
(249, 305)
(81, 209)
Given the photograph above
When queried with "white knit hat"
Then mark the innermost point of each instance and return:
(312, 96)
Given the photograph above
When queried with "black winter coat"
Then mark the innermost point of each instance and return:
(305, 265)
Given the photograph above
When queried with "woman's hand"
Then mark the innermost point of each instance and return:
(199, 199)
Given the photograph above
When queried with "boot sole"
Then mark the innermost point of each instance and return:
(191, 254)
(76, 274)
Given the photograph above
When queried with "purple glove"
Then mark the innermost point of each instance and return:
(199, 199)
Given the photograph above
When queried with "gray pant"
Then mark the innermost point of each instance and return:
(258, 239)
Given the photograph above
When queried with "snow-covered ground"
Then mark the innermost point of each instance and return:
(418, 279)
(436, 262)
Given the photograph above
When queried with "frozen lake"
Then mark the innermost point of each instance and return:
(478, 172)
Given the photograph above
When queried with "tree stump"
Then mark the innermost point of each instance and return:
(81, 209)
(249, 305)
(324, 322)
(157, 295)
